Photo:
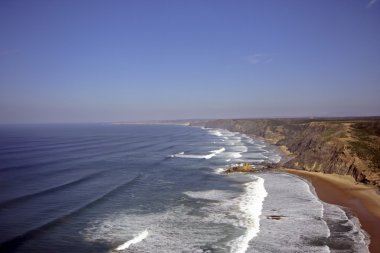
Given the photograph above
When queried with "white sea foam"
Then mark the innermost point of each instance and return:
(178, 154)
(247, 208)
(193, 156)
(275, 158)
(211, 195)
(240, 149)
(166, 230)
(235, 139)
(216, 132)
(251, 204)
(250, 140)
(219, 170)
(183, 155)
(227, 208)
(135, 240)
(218, 151)
(352, 233)
(228, 134)
(230, 156)
(235, 154)
(257, 156)
(261, 145)
(291, 199)
(258, 160)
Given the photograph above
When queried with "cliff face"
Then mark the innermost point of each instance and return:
(332, 146)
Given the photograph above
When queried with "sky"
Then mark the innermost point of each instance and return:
(102, 61)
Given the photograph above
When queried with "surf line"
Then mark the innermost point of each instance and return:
(135, 240)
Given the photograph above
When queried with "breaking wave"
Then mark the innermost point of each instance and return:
(135, 240)
(251, 205)
(194, 156)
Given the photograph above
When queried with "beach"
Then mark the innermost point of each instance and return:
(361, 199)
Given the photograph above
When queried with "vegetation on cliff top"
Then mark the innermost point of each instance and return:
(366, 145)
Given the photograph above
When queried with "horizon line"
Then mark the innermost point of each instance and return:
(184, 120)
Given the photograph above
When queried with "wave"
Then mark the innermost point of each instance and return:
(257, 156)
(276, 158)
(255, 160)
(18, 199)
(34, 147)
(246, 209)
(173, 230)
(218, 151)
(16, 241)
(240, 148)
(182, 155)
(216, 132)
(210, 195)
(234, 140)
(345, 228)
(192, 156)
(251, 204)
(65, 160)
(69, 150)
(135, 240)
(78, 156)
(235, 154)
(219, 170)
(295, 206)
(167, 148)
(260, 146)
(246, 136)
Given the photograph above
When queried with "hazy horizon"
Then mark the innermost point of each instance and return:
(97, 61)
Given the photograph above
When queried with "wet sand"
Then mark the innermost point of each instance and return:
(363, 200)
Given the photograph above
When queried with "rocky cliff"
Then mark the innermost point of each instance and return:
(342, 146)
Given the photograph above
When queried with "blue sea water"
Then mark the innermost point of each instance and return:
(156, 188)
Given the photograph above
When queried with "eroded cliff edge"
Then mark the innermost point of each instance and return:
(342, 146)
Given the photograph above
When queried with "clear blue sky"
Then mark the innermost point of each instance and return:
(91, 61)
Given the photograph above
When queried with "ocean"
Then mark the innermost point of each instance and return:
(156, 188)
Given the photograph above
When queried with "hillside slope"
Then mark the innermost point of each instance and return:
(342, 146)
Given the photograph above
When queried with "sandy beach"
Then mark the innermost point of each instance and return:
(340, 190)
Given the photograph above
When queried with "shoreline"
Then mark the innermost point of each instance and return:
(362, 200)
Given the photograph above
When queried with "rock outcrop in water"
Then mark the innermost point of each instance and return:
(346, 146)
(245, 167)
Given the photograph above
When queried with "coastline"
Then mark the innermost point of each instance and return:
(342, 190)
(345, 146)
(362, 200)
